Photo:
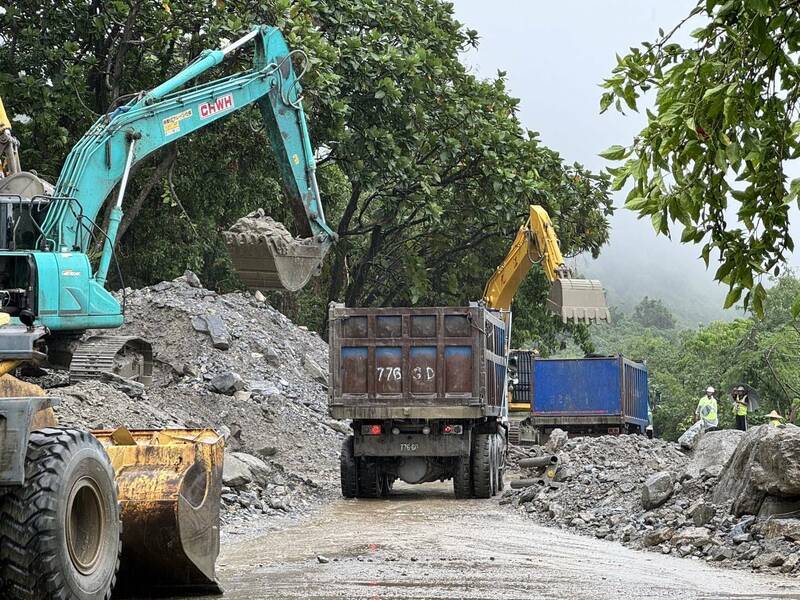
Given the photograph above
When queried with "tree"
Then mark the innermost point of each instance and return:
(651, 312)
(761, 353)
(725, 124)
(425, 170)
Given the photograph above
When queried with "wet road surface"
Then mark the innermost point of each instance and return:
(423, 544)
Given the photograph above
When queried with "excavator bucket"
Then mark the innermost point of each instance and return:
(169, 488)
(267, 257)
(578, 300)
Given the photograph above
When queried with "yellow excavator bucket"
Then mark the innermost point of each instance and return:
(267, 257)
(578, 300)
(169, 490)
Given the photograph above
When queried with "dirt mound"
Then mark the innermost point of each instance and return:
(233, 363)
(649, 494)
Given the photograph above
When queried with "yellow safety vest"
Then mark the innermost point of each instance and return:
(739, 409)
(707, 410)
(775, 422)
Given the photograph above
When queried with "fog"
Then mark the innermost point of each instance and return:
(556, 54)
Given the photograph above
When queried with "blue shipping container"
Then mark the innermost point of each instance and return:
(605, 390)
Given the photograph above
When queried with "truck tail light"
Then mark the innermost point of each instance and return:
(371, 429)
(453, 429)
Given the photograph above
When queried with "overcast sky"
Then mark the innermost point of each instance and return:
(556, 54)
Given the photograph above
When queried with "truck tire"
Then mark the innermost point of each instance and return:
(500, 447)
(462, 478)
(348, 469)
(371, 479)
(60, 532)
(484, 466)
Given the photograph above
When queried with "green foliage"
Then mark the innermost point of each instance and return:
(426, 172)
(761, 353)
(725, 124)
(651, 312)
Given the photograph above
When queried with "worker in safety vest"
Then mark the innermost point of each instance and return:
(739, 395)
(775, 420)
(707, 410)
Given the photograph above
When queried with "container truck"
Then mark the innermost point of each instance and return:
(583, 396)
(425, 390)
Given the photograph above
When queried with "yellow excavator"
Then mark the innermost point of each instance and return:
(574, 300)
(79, 509)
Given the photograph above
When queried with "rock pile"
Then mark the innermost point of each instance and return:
(233, 363)
(650, 494)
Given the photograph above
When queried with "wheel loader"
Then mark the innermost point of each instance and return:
(80, 509)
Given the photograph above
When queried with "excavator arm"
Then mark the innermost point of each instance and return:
(104, 157)
(579, 300)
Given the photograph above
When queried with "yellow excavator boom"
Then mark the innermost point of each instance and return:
(4, 122)
(578, 300)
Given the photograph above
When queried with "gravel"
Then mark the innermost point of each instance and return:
(235, 364)
(649, 494)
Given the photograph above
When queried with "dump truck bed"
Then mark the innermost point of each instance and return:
(598, 390)
(416, 363)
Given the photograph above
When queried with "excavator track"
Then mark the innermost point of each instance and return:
(128, 357)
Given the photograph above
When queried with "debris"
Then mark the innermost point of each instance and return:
(656, 490)
(676, 512)
(227, 383)
(691, 436)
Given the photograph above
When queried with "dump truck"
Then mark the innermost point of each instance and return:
(427, 388)
(80, 509)
(596, 395)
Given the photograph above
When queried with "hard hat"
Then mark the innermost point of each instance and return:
(710, 389)
(774, 415)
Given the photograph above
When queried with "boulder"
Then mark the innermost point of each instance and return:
(768, 559)
(782, 529)
(691, 436)
(702, 513)
(772, 506)
(227, 383)
(215, 328)
(712, 451)
(556, 440)
(656, 537)
(235, 472)
(316, 372)
(192, 279)
(766, 463)
(259, 471)
(656, 490)
(692, 536)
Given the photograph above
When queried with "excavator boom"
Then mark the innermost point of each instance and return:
(575, 300)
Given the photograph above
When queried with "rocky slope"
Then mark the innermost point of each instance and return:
(233, 363)
(651, 494)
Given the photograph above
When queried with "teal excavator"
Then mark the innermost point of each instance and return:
(65, 493)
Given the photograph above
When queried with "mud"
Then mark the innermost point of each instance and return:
(422, 543)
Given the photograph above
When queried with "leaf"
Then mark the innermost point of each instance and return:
(615, 152)
(733, 296)
(380, 94)
(796, 308)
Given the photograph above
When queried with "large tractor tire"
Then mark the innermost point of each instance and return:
(462, 478)
(484, 466)
(348, 469)
(60, 531)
